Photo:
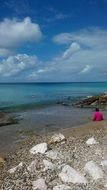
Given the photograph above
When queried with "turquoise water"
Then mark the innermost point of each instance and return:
(24, 96)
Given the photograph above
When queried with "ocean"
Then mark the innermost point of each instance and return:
(37, 109)
(24, 96)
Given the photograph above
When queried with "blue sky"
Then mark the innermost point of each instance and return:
(53, 40)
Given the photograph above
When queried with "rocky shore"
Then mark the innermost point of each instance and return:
(94, 101)
(73, 159)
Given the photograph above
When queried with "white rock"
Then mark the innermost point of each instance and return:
(93, 170)
(105, 185)
(39, 184)
(69, 174)
(104, 163)
(39, 148)
(57, 138)
(48, 165)
(62, 187)
(12, 170)
(91, 141)
(60, 166)
(32, 166)
(54, 154)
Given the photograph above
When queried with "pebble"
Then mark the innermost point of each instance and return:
(93, 170)
(69, 174)
(48, 167)
(39, 148)
(53, 154)
(91, 141)
(12, 170)
(62, 187)
(56, 138)
(39, 184)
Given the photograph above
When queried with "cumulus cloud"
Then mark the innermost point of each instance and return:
(74, 47)
(91, 37)
(14, 33)
(14, 65)
(85, 58)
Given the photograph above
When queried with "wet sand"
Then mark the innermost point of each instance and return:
(46, 120)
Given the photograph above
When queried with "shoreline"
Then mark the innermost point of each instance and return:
(42, 121)
(86, 129)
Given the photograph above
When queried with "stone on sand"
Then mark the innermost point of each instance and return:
(69, 174)
(104, 163)
(48, 165)
(33, 166)
(91, 141)
(39, 184)
(12, 170)
(54, 155)
(39, 148)
(93, 170)
(56, 138)
(62, 187)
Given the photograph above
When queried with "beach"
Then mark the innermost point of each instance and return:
(53, 95)
(42, 111)
(41, 121)
(74, 151)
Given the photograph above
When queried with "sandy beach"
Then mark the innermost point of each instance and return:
(73, 152)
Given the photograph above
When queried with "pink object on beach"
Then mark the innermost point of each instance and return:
(98, 116)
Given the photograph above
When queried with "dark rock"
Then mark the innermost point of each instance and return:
(94, 101)
(6, 119)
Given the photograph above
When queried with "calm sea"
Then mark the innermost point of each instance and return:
(32, 95)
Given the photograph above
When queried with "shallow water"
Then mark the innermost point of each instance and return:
(35, 106)
(41, 121)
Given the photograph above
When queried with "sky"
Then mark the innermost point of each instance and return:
(53, 40)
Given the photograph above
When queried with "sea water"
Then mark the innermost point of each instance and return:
(24, 97)
(20, 96)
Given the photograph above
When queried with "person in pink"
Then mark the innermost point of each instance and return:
(98, 116)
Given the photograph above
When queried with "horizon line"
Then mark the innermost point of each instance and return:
(52, 82)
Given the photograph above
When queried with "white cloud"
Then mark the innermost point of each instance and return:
(74, 47)
(91, 38)
(82, 60)
(5, 52)
(14, 65)
(86, 69)
(63, 38)
(85, 59)
(40, 72)
(14, 33)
